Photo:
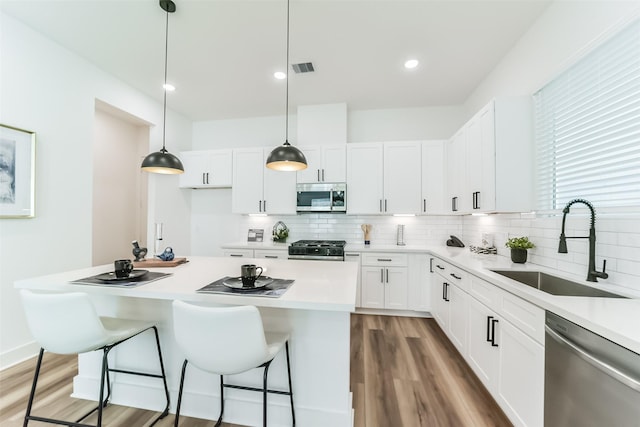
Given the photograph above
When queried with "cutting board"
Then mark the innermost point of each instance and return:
(151, 263)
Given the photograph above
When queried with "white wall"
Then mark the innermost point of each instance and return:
(51, 91)
(561, 35)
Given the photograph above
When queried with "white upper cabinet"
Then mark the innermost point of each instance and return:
(433, 178)
(456, 175)
(496, 148)
(364, 178)
(324, 164)
(206, 169)
(257, 189)
(384, 178)
(402, 178)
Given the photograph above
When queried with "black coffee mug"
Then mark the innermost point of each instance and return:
(249, 274)
(123, 267)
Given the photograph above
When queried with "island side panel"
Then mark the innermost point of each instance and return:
(320, 345)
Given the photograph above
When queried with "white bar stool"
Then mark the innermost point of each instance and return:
(69, 324)
(227, 341)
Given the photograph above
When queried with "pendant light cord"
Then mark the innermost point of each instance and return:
(286, 130)
(166, 54)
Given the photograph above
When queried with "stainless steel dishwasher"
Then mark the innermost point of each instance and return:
(589, 380)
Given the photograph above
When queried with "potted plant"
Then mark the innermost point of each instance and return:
(280, 232)
(519, 246)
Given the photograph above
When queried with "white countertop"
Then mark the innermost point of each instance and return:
(326, 286)
(616, 319)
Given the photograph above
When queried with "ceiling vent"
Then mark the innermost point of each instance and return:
(303, 67)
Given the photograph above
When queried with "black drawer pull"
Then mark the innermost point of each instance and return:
(493, 332)
(271, 256)
(385, 259)
(439, 267)
(455, 277)
(236, 255)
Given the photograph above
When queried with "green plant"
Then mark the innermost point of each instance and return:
(519, 243)
(281, 234)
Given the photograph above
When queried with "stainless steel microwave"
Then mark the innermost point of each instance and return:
(322, 197)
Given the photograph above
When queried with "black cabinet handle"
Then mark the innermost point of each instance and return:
(318, 170)
(439, 267)
(384, 259)
(236, 255)
(382, 275)
(424, 205)
(264, 202)
(454, 276)
(387, 271)
(207, 177)
(454, 204)
(259, 205)
(271, 256)
(322, 175)
(489, 328)
(445, 291)
(380, 205)
(351, 254)
(493, 332)
(476, 200)
(385, 205)
(430, 265)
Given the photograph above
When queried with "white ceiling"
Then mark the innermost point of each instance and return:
(223, 53)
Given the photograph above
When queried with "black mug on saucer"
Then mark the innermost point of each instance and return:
(123, 267)
(249, 274)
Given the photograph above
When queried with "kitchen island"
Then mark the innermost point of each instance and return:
(315, 309)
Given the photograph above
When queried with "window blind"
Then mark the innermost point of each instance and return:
(587, 128)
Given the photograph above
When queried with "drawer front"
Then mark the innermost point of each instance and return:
(458, 277)
(485, 292)
(238, 253)
(524, 315)
(440, 267)
(385, 259)
(271, 254)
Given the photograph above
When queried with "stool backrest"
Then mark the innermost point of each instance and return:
(221, 340)
(65, 323)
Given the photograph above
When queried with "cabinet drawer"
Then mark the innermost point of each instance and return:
(485, 292)
(271, 254)
(524, 315)
(384, 259)
(238, 253)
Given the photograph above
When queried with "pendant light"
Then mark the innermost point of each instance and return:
(286, 157)
(162, 161)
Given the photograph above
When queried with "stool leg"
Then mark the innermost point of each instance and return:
(264, 393)
(33, 388)
(184, 369)
(106, 400)
(219, 422)
(293, 413)
(164, 377)
(103, 375)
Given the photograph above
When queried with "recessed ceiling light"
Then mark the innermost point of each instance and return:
(412, 63)
(280, 75)
(169, 87)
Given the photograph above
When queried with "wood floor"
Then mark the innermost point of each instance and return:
(404, 373)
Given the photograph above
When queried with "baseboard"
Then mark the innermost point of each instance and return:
(385, 312)
(241, 407)
(18, 354)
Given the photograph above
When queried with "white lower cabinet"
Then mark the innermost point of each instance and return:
(384, 281)
(355, 257)
(480, 320)
(520, 388)
(419, 282)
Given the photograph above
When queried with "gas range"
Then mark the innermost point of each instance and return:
(323, 250)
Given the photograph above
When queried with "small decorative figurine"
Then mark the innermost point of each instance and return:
(138, 252)
(167, 255)
(367, 229)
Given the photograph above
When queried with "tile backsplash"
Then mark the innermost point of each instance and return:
(617, 241)
(617, 238)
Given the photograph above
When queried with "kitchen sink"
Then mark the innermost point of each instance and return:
(555, 285)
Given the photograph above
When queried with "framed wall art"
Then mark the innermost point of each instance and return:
(17, 172)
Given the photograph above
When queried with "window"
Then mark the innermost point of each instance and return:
(587, 126)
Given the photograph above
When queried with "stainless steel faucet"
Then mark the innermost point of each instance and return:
(592, 273)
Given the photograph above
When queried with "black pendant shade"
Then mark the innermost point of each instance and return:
(162, 161)
(286, 157)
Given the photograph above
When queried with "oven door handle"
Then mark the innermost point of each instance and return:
(594, 361)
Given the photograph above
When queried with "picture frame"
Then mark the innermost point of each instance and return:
(17, 172)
